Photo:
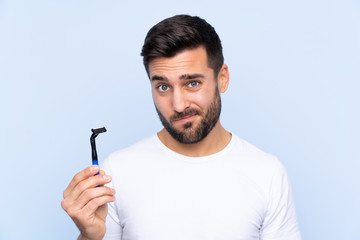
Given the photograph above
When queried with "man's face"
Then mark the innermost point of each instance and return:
(186, 95)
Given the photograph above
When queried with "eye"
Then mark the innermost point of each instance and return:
(163, 88)
(193, 84)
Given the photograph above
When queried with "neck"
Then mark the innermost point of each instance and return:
(214, 142)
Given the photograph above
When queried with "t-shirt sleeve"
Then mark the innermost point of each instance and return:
(113, 226)
(280, 222)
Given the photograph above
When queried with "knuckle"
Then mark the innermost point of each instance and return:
(82, 185)
(71, 213)
(64, 204)
(77, 178)
(88, 194)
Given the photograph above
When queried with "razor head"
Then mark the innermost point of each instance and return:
(98, 130)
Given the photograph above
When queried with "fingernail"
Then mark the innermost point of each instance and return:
(94, 168)
(113, 191)
(107, 178)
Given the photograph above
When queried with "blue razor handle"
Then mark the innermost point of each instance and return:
(96, 163)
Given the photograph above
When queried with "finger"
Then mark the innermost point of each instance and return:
(90, 182)
(91, 194)
(95, 203)
(101, 172)
(84, 174)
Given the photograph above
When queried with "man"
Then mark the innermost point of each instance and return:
(193, 180)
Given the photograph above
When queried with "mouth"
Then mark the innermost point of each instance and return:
(185, 119)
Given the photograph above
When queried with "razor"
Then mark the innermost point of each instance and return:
(95, 133)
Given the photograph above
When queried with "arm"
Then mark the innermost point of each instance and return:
(86, 204)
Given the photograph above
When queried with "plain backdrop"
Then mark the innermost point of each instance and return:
(69, 66)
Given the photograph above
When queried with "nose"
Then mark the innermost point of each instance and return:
(180, 100)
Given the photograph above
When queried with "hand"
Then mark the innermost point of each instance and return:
(86, 204)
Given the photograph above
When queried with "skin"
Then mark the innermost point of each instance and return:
(173, 92)
(86, 204)
(182, 82)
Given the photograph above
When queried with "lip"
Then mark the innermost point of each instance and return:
(186, 119)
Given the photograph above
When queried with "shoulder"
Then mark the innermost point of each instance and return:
(256, 162)
(251, 153)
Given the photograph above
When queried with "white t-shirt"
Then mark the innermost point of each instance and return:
(237, 193)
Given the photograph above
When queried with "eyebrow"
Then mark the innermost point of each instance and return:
(158, 78)
(191, 76)
(183, 77)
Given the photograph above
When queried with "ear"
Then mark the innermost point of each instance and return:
(223, 78)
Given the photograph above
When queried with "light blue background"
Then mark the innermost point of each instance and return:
(68, 66)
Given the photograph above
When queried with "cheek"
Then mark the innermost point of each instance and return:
(203, 99)
(162, 104)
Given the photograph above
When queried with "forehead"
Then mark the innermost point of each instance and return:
(185, 62)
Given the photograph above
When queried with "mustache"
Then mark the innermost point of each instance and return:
(184, 114)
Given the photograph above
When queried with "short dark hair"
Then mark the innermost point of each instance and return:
(180, 32)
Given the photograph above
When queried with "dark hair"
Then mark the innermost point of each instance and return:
(174, 34)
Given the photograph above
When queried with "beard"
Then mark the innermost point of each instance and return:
(190, 134)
